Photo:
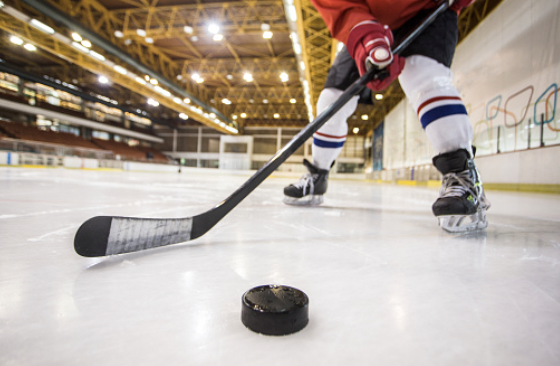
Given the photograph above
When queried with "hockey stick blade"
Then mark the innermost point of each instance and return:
(108, 235)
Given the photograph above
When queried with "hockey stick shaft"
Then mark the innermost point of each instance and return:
(107, 235)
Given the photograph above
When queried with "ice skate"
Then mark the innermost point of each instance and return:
(309, 190)
(461, 206)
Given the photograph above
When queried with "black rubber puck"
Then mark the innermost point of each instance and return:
(275, 309)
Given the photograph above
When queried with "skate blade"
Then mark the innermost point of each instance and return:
(457, 224)
(312, 200)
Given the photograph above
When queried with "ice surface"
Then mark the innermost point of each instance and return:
(386, 285)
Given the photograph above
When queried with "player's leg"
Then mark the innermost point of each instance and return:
(329, 139)
(427, 82)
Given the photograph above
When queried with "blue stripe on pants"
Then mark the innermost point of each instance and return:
(328, 144)
(442, 111)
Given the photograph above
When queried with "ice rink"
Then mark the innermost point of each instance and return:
(386, 285)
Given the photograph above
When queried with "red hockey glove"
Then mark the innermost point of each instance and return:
(369, 44)
(460, 4)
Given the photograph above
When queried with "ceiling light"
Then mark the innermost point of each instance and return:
(293, 101)
(140, 80)
(265, 27)
(128, 42)
(218, 37)
(292, 13)
(30, 47)
(248, 77)
(234, 117)
(80, 47)
(365, 117)
(243, 115)
(118, 34)
(186, 100)
(183, 116)
(200, 80)
(41, 26)
(120, 69)
(267, 34)
(97, 55)
(103, 79)
(153, 102)
(153, 81)
(141, 32)
(276, 115)
(149, 40)
(194, 38)
(284, 77)
(213, 28)
(76, 37)
(86, 43)
(226, 101)
(16, 40)
(355, 130)
(177, 100)
(265, 101)
(160, 90)
(188, 30)
(379, 96)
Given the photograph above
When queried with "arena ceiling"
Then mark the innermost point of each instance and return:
(225, 64)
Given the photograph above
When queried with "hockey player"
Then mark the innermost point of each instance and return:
(367, 28)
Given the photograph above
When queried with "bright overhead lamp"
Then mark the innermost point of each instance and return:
(153, 102)
(120, 69)
(103, 79)
(267, 34)
(213, 28)
(186, 101)
(284, 77)
(30, 47)
(248, 77)
(177, 100)
(276, 115)
(80, 47)
(97, 55)
(226, 101)
(86, 43)
(378, 96)
(218, 37)
(293, 100)
(356, 130)
(365, 117)
(76, 37)
(141, 32)
(153, 81)
(149, 40)
(140, 80)
(118, 34)
(183, 116)
(243, 115)
(188, 30)
(16, 40)
(41, 26)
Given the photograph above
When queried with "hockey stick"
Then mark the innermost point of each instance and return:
(107, 235)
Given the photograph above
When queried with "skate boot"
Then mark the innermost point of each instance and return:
(309, 190)
(462, 204)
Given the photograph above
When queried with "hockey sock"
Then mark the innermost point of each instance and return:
(329, 139)
(429, 87)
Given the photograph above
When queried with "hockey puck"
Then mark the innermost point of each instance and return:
(275, 309)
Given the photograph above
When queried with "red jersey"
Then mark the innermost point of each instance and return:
(342, 15)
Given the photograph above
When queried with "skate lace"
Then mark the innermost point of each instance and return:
(306, 182)
(457, 184)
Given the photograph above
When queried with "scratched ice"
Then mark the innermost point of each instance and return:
(386, 285)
